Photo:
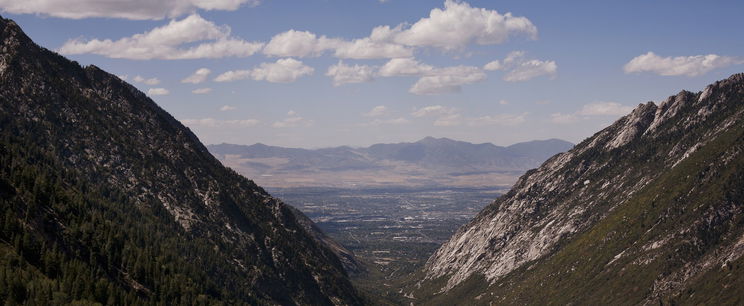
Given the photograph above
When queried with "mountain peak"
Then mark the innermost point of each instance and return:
(433, 140)
(12, 37)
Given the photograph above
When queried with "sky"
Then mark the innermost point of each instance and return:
(322, 73)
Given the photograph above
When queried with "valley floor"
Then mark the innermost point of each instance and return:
(392, 231)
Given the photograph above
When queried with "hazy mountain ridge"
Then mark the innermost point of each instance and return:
(108, 198)
(428, 161)
(647, 210)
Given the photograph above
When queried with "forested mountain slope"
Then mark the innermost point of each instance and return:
(106, 197)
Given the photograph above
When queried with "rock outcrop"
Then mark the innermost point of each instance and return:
(658, 193)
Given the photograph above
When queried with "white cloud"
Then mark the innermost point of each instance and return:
(519, 69)
(233, 75)
(531, 69)
(343, 74)
(157, 92)
(293, 120)
(299, 44)
(604, 109)
(681, 65)
(434, 110)
(217, 123)
(501, 119)
(285, 70)
(459, 24)
(492, 66)
(376, 111)
(201, 91)
(131, 9)
(199, 76)
(306, 44)
(445, 80)
(404, 67)
(150, 81)
(123, 77)
(561, 118)
(226, 108)
(190, 38)
(504, 102)
(366, 48)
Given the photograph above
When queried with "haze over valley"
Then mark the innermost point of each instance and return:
(428, 162)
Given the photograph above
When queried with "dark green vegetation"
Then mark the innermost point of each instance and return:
(665, 219)
(107, 198)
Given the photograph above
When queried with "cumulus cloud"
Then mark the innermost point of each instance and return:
(150, 81)
(681, 65)
(501, 119)
(217, 123)
(201, 91)
(367, 48)
(157, 92)
(192, 37)
(531, 69)
(519, 69)
(226, 108)
(445, 80)
(299, 44)
(233, 75)
(459, 24)
(492, 66)
(307, 44)
(434, 110)
(605, 109)
(131, 9)
(292, 120)
(451, 28)
(404, 67)
(376, 111)
(199, 76)
(285, 70)
(343, 74)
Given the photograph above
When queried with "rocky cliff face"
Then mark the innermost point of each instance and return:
(653, 200)
(106, 136)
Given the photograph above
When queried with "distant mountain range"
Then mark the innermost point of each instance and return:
(429, 161)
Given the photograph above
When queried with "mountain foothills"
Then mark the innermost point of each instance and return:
(646, 211)
(107, 198)
(427, 162)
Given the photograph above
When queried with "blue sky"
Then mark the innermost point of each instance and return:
(313, 74)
